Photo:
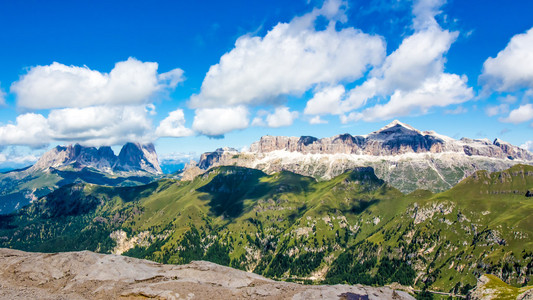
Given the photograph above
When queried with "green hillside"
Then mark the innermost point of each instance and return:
(353, 228)
(18, 188)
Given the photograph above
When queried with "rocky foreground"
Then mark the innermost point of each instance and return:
(88, 275)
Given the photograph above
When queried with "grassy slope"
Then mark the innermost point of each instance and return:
(497, 289)
(290, 226)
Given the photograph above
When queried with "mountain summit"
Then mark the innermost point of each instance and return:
(133, 157)
(400, 154)
(136, 164)
(394, 139)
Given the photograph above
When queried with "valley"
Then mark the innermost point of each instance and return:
(351, 229)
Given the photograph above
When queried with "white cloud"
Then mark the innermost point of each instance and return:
(508, 99)
(325, 101)
(496, 109)
(100, 125)
(521, 114)
(424, 12)
(29, 129)
(173, 125)
(218, 121)
(176, 157)
(289, 60)
(512, 68)
(258, 121)
(17, 157)
(94, 126)
(281, 117)
(419, 56)
(317, 120)
(131, 82)
(528, 146)
(412, 78)
(171, 78)
(439, 91)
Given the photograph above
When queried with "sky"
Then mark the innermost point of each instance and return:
(193, 76)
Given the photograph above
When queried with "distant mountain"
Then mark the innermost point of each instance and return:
(403, 156)
(353, 228)
(133, 157)
(136, 164)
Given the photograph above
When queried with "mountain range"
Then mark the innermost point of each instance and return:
(395, 206)
(136, 164)
(133, 158)
(403, 156)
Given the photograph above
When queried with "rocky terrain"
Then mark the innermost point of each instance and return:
(403, 156)
(87, 275)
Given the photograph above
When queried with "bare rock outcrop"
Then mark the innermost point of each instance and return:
(394, 139)
(88, 275)
(133, 157)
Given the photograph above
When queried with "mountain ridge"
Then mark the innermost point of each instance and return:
(406, 157)
(136, 164)
(133, 157)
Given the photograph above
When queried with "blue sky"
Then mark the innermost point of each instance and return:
(194, 76)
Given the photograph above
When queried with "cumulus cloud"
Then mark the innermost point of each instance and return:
(17, 157)
(173, 125)
(528, 146)
(411, 79)
(281, 117)
(289, 60)
(317, 120)
(521, 114)
(424, 12)
(512, 68)
(218, 121)
(439, 91)
(94, 126)
(100, 125)
(326, 101)
(131, 82)
(29, 129)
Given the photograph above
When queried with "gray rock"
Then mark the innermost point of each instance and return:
(88, 275)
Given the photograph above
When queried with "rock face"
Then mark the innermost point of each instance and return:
(87, 275)
(394, 139)
(133, 157)
(211, 158)
(403, 156)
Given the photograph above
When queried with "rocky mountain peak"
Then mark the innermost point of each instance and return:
(402, 155)
(135, 157)
(398, 126)
(132, 158)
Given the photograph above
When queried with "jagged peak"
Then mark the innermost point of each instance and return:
(132, 157)
(498, 141)
(397, 123)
